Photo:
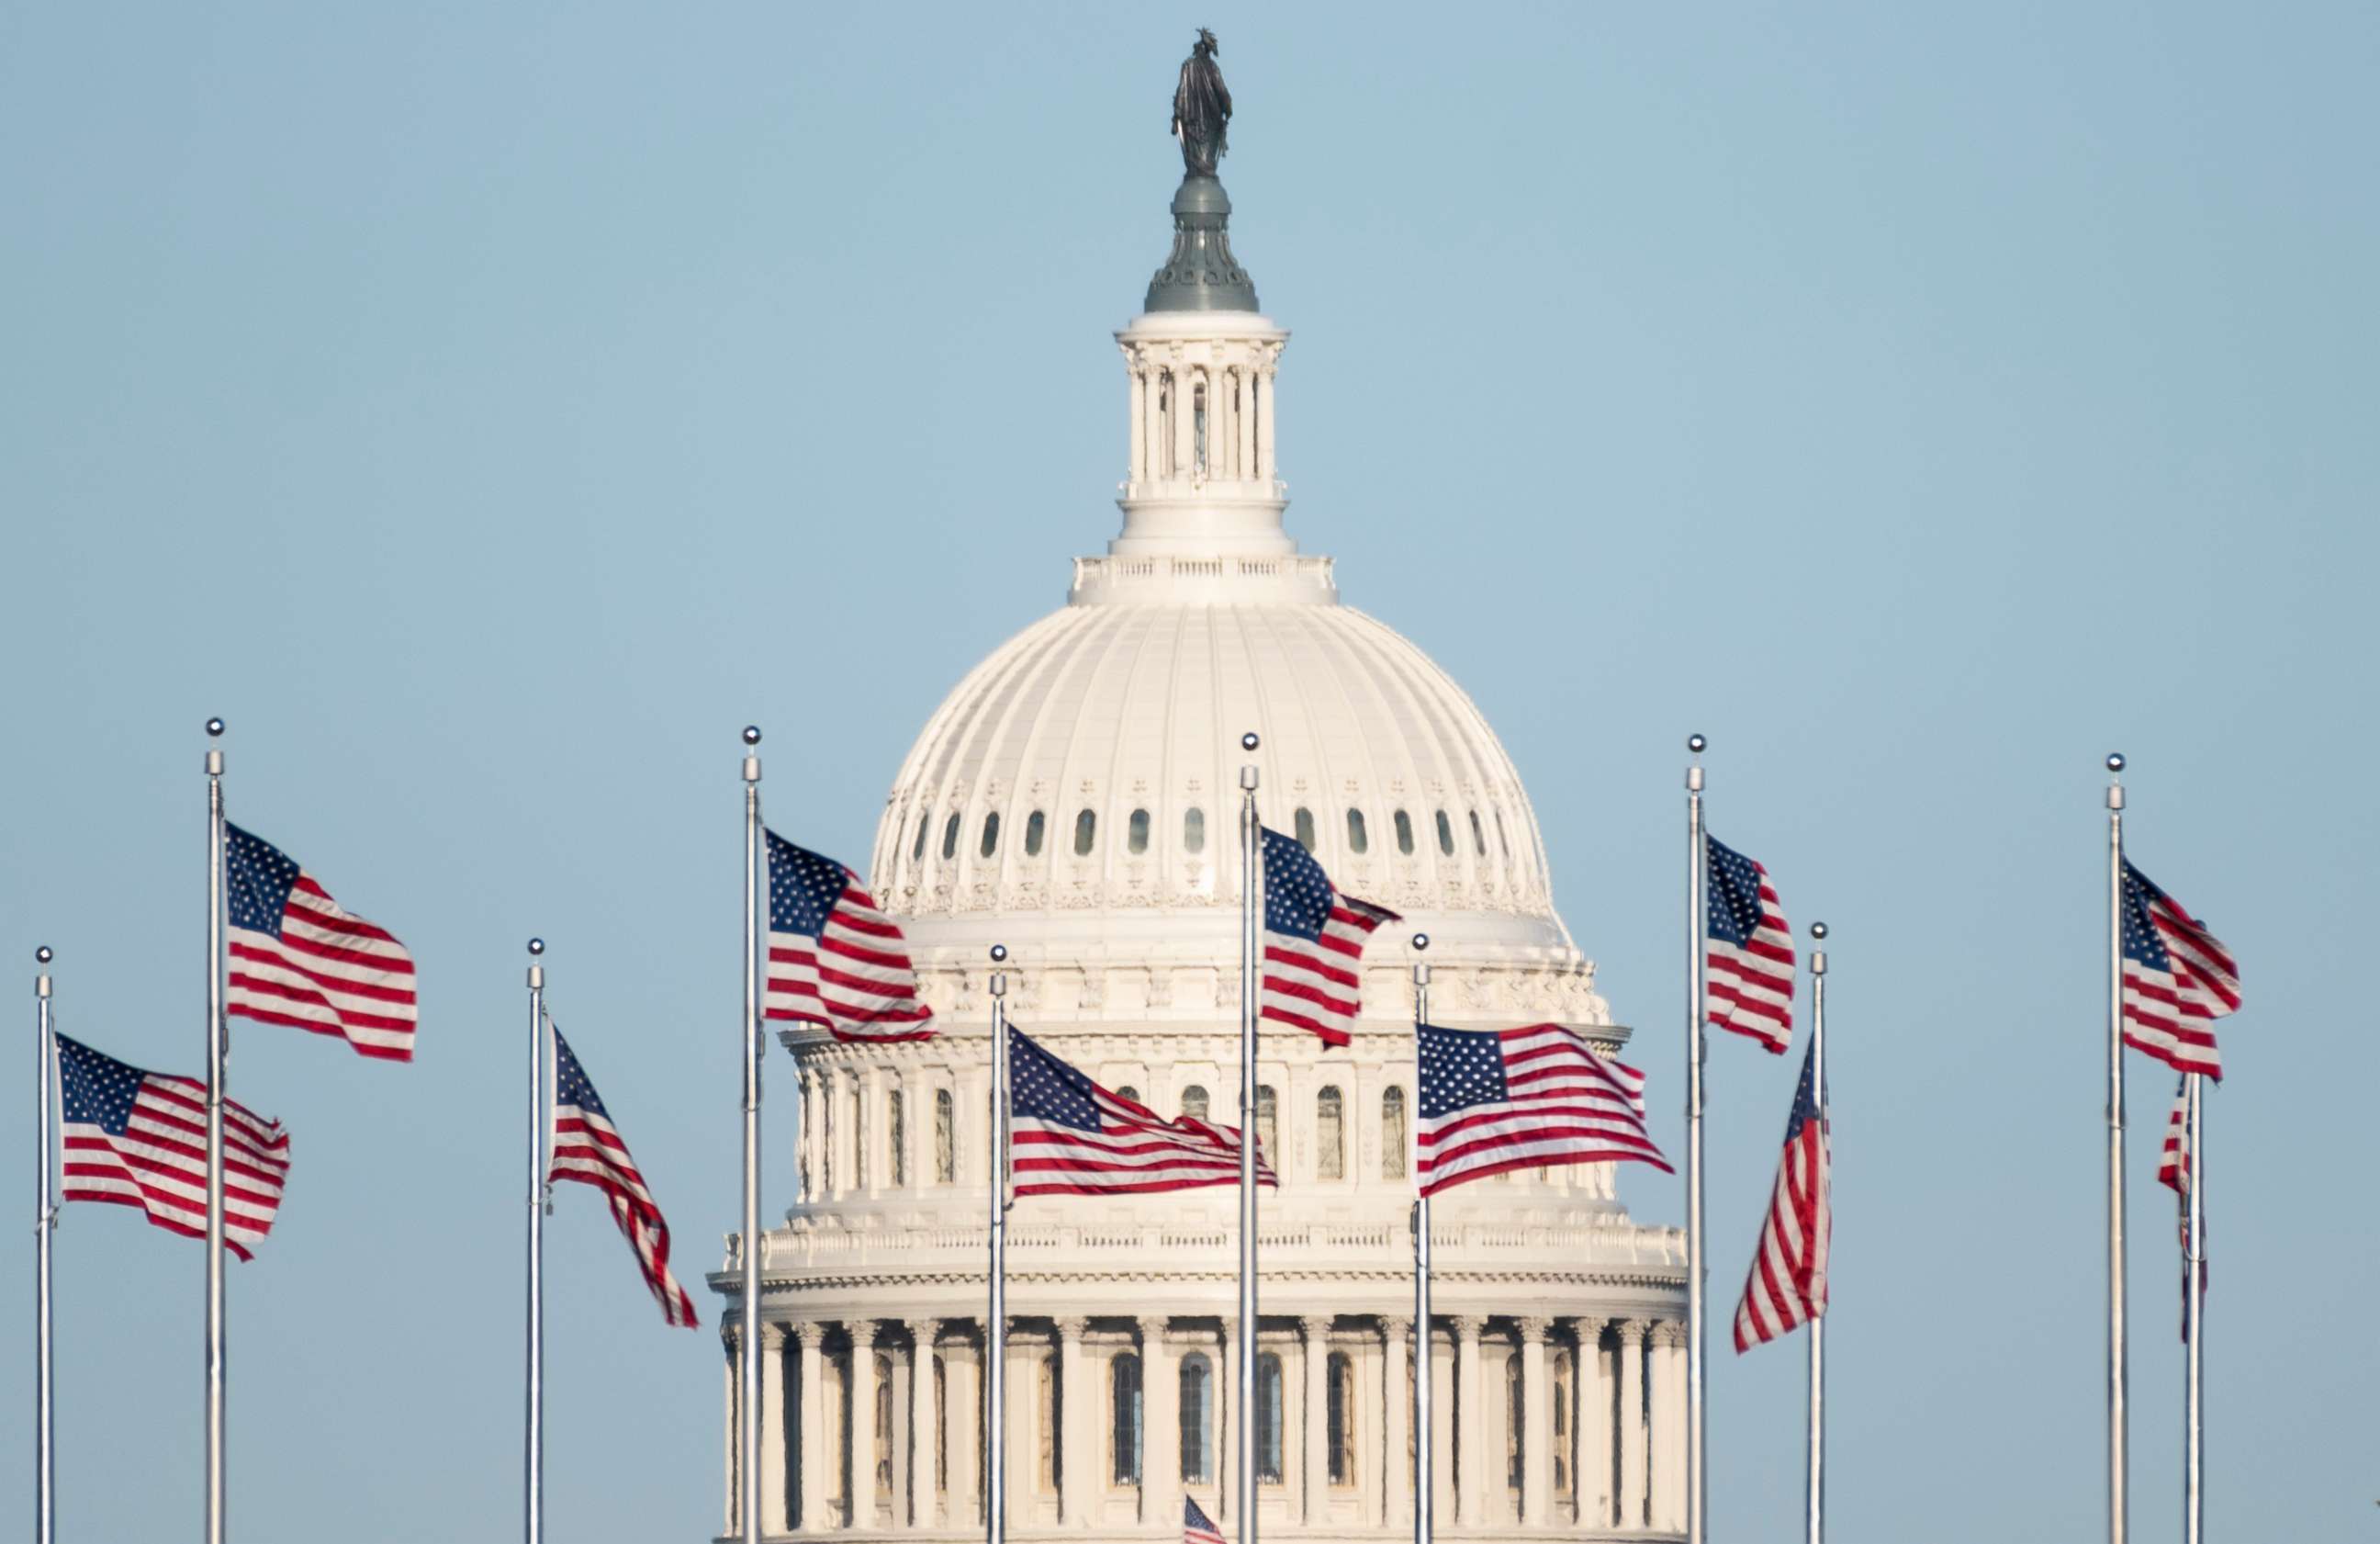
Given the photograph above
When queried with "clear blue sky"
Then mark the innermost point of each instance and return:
(489, 409)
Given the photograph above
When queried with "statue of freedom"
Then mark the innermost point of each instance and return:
(1202, 108)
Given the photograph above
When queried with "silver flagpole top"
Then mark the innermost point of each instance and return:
(1818, 956)
(1000, 977)
(1248, 773)
(214, 728)
(42, 957)
(751, 762)
(536, 970)
(1696, 744)
(2116, 786)
(214, 755)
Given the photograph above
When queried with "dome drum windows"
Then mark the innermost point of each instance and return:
(991, 843)
(1193, 830)
(1036, 827)
(1445, 835)
(1087, 828)
(1359, 841)
(1478, 837)
(1304, 826)
(1330, 1135)
(1136, 833)
(917, 848)
(1404, 833)
(950, 837)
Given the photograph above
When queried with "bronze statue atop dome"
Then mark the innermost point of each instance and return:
(1202, 108)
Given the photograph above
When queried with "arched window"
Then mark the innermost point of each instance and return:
(1517, 1409)
(1193, 830)
(1193, 1101)
(1305, 821)
(950, 837)
(1268, 1125)
(917, 848)
(1035, 824)
(896, 1125)
(1125, 1090)
(946, 1145)
(1330, 1136)
(1478, 837)
(1445, 835)
(1197, 1385)
(1199, 426)
(1086, 825)
(1339, 1437)
(1136, 833)
(859, 1139)
(1269, 1420)
(1358, 840)
(1565, 1381)
(1124, 1418)
(1392, 1133)
(1404, 833)
(991, 842)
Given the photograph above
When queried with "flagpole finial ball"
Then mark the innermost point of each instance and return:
(1695, 743)
(2116, 762)
(42, 955)
(1248, 741)
(1818, 930)
(536, 946)
(214, 728)
(1421, 940)
(999, 954)
(751, 734)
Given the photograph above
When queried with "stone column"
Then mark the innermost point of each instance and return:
(963, 1431)
(1315, 1490)
(1668, 1488)
(1022, 1428)
(1594, 1397)
(1077, 1402)
(1537, 1424)
(813, 1451)
(1265, 424)
(926, 1434)
(1631, 1423)
(1136, 468)
(773, 1428)
(1439, 1368)
(1393, 1487)
(1160, 1426)
(1183, 396)
(863, 1423)
(1471, 1488)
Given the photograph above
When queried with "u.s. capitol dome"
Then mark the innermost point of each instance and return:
(1076, 798)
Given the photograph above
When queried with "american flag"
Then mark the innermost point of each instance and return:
(2173, 1170)
(588, 1149)
(1069, 1136)
(1197, 1526)
(1750, 949)
(834, 960)
(298, 958)
(1493, 1100)
(140, 1139)
(2177, 979)
(1312, 944)
(1788, 1284)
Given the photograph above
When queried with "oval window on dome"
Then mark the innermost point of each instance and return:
(1404, 833)
(1136, 832)
(1445, 835)
(1034, 827)
(990, 834)
(917, 848)
(1358, 840)
(1193, 830)
(1306, 829)
(950, 837)
(1502, 840)
(1478, 837)
(1087, 826)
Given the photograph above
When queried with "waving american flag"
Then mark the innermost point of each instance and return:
(1197, 1526)
(1312, 944)
(1749, 959)
(1786, 1287)
(587, 1149)
(2179, 978)
(834, 959)
(1493, 1100)
(297, 958)
(1069, 1136)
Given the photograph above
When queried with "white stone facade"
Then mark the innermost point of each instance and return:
(1076, 799)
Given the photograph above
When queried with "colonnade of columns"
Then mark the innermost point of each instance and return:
(1170, 397)
(877, 1426)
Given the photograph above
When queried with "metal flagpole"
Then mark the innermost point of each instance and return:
(1251, 964)
(2119, 1373)
(2195, 1324)
(218, 1054)
(1697, 923)
(533, 1457)
(995, 1321)
(45, 1219)
(1426, 1469)
(748, 1355)
(1817, 1478)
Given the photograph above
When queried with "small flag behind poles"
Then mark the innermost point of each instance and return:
(1525, 1099)
(1069, 1136)
(588, 1149)
(1313, 944)
(1197, 1526)
(2179, 978)
(2173, 1170)
(1749, 949)
(834, 959)
(1786, 1287)
(140, 1139)
(298, 958)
